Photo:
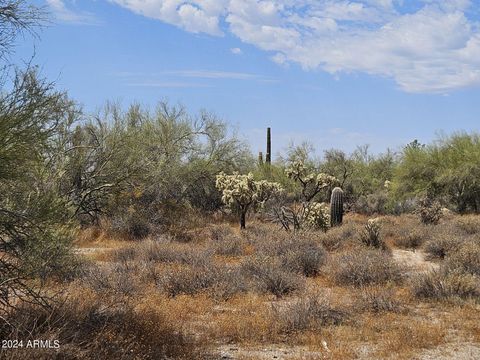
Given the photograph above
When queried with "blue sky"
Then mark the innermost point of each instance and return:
(334, 73)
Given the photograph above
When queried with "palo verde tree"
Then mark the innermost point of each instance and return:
(35, 231)
(242, 192)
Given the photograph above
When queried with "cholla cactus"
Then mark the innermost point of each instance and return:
(242, 192)
(387, 185)
(311, 183)
(317, 216)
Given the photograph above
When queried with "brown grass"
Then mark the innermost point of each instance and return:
(316, 295)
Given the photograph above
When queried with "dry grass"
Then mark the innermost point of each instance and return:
(319, 295)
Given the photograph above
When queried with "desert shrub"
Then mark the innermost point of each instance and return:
(305, 257)
(469, 224)
(372, 203)
(221, 282)
(307, 313)
(360, 267)
(163, 250)
(371, 235)
(411, 238)
(339, 236)
(444, 284)
(118, 279)
(231, 282)
(430, 211)
(269, 275)
(221, 232)
(190, 280)
(130, 224)
(233, 246)
(378, 299)
(124, 254)
(299, 254)
(441, 246)
(226, 241)
(465, 258)
(93, 328)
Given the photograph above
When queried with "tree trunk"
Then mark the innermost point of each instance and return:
(242, 220)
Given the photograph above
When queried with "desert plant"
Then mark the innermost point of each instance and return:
(359, 267)
(430, 211)
(465, 258)
(317, 216)
(441, 246)
(445, 284)
(242, 192)
(371, 234)
(336, 207)
(411, 238)
(191, 280)
(268, 155)
(378, 299)
(303, 257)
(308, 313)
(302, 211)
(270, 276)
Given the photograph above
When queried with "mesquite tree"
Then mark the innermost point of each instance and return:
(242, 192)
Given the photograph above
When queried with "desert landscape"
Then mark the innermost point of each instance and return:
(152, 231)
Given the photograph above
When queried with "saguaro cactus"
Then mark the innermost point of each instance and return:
(260, 158)
(336, 207)
(268, 155)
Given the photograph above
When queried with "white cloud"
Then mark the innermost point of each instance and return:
(65, 14)
(236, 51)
(433, 48)
(200, 16)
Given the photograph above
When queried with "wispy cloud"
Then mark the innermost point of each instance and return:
(171, 78)
(65, 14)
(167, 85)
(236, 51)
(430, 46)
(207, 74)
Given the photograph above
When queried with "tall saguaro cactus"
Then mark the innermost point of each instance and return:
(268, 155)
(336, 207)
